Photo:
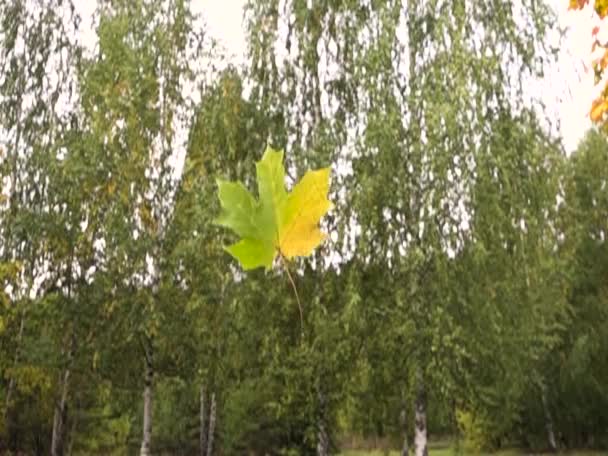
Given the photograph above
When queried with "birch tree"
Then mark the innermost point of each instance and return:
(134, 103)
(35, 37)
(402, 94)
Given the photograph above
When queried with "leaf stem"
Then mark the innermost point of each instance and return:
(295, 290)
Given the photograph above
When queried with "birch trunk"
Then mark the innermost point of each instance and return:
(61, 407)
(322, 431)
(405, 449)
(548, 421)
(8, 410)
(420, 440)
(146, 442)
(8, 413)
(212, 421)
(202, 424)
(72, 433)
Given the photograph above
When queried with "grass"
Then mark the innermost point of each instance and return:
(444, 447)
(449, 452)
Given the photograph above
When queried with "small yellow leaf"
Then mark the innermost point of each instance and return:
(601, 8)
(603, 61)
(598, 108)
(577, 4)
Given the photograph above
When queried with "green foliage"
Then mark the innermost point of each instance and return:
(576, 358)
(478, 432)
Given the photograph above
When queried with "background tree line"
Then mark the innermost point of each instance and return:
(462, 290)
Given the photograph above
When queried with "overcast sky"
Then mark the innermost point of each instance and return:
(577, 89)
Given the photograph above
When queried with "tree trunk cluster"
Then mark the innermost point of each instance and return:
(208, 421)
(146, 441)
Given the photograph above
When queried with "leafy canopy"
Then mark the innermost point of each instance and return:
(278, 222)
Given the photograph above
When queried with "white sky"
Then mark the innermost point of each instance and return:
(567, 90)
(572, 83)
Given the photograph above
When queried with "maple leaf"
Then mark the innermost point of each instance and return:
(278, 223)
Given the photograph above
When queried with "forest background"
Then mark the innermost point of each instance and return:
(461, 292)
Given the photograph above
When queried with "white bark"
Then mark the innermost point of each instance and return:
(322, 431)
(60, 417)
(420, 439)
(61, 407)
(405, 449)
(212, 421)
(72, 433)
(548, 420)
(202, 424)
(322, 439)
(146, 442)
(8, 411)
